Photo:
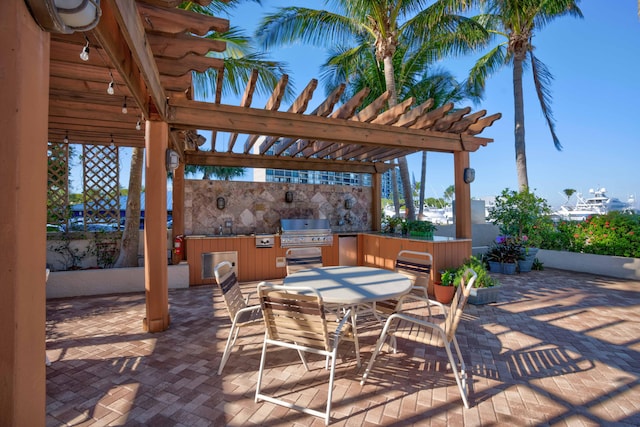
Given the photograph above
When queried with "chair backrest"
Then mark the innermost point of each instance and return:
(230, 287)
(302, 258)
(294, 314)
(458, 303)
(416, 266)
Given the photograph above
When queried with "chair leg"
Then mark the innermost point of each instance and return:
(454, 366)
(332, 373)
(260, 371)
(231, 340)
(379, 345)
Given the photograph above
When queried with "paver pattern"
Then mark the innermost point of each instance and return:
(558, 348)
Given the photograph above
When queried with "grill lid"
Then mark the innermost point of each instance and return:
(305, 226)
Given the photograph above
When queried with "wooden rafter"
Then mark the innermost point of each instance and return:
(150, 49)
(245, 102)
(272, 104)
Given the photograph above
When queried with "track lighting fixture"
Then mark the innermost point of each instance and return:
(124, 106)
(84, 55)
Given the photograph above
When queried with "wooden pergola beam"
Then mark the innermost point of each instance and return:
(289, 163)
(200, 115)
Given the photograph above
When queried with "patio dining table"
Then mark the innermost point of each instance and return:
(352, 287)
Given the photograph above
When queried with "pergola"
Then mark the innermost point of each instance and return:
(149, 49)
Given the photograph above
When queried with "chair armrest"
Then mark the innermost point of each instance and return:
(338, 332)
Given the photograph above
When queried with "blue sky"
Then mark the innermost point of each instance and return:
(595, 62)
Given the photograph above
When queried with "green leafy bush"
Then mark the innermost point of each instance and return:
(616, 233)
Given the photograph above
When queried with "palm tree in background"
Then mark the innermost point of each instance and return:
(381, 27)
(240, 61)
(414, 78)
(516, 21)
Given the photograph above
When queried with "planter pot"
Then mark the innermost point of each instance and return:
(495, 267)
(444, 294)
(480, 296)
(509, 267)
(524, 265)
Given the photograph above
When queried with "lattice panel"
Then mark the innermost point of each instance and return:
(57, 183)
(101, 186)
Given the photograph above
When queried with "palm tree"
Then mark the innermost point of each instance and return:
(380, 27)
(517, 21)
(414, 79)
(568, 192)
(240, 61)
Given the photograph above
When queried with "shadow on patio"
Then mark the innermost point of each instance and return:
(558, 348)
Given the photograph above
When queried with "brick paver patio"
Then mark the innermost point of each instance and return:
(558, 348)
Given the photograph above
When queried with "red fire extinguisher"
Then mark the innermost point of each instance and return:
(177, 245)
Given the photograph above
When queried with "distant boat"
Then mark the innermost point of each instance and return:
(440, 216)
(597, 204)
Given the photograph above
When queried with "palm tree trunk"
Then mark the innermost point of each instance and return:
(128, 256)
(394, 188)
(518, 98)
(390, 84)
(423, 182)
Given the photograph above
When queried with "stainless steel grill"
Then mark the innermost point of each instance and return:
(305, 232)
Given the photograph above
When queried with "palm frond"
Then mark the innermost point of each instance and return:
(542, 79)
(290, 25)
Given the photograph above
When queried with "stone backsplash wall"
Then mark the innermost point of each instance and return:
(257, 207)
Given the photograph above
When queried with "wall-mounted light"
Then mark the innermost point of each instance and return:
(65, 16)
(221, 202)
(469, 175)
(348, 203)
(172, 160)
(288, 196)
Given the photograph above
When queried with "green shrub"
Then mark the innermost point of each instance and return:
(484, 279)
(616, 233)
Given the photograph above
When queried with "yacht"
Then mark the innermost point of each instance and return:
(597, 204)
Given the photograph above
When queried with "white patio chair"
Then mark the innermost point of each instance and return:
(295, 318)
(240, 313)
(302, 258)
(431, 331)
(417, 267)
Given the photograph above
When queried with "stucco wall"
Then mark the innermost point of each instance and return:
(254, 207)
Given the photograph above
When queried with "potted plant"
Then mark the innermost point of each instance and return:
(393, 224)
(503, 256)
(485, 289)
(445, 288)
(419, 228)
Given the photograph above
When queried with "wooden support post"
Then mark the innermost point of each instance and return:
(463, 195)
(24, 85)
(155, 227)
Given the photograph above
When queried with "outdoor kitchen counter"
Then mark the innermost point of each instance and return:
(254, 263)
(380, 250)
(374, 250)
